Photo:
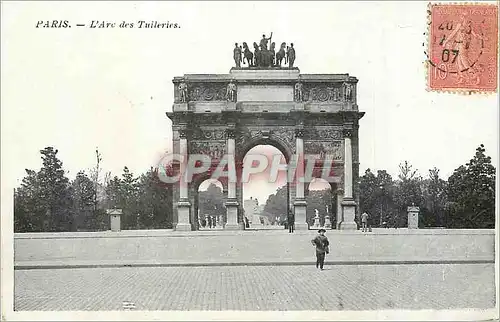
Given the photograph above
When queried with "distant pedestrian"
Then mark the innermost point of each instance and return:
(291, 221)
(322, 248)
(364, 221)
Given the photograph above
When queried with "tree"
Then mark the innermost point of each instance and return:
(83, 190)
(155, 200)
(276, 204)
(408, 192)
(55, 195)
(211, 202)
(28, 212)
(377, 196)
(471, 193)
(434, 194)
(123, 193)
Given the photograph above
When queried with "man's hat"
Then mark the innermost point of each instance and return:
(321, 230)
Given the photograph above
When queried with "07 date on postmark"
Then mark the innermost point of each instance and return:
(462, 54)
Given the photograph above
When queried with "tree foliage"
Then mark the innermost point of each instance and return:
(46, 200)
(211, 202)
(471, 193)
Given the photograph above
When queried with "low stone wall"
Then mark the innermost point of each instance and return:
(164, 247)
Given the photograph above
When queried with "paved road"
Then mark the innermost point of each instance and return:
(249, 247)
(364, 287)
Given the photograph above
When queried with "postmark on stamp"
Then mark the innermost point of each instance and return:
(462, 47)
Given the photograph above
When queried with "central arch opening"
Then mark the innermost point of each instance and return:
(211, 211)
(320, 212)
(266, 193)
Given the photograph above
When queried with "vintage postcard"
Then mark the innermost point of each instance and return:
(249, 160)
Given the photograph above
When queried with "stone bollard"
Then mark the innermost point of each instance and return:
(413, 217)
(115, 216)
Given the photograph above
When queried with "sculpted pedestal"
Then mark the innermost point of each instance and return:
(300, 215)
(183, 209)
(232, 216)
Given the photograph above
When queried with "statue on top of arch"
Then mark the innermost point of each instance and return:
(262, 56)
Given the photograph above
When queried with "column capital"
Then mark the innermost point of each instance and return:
(230, 133)
(347, 133)
(183, 133)
(299, 132)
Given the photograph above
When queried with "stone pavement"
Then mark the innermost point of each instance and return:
(168, 248)
(366, 287)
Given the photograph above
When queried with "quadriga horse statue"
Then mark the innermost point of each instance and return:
(247, 55)
(280, 54)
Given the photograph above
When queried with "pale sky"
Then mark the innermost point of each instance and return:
(78, 88)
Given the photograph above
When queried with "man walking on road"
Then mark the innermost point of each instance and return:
(291, 221)
(322, 248)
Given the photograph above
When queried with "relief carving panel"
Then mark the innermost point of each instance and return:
(333, 149)
(207, 92)
(208, 134)
(215, 150)
(322, 92)
(323, 134)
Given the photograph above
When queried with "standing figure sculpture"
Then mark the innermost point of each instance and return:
(264, 40)
(231, 92)
(347, 92)
(272, 50)
(291, 56)
(280, 54)
(182, 92)
(256, 54)
(248, 55)
(237, 55)
(298, 92)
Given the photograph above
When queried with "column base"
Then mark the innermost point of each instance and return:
(233, 227)
(183, 227)
(349, 211)
(301, 226)
(300, 206)
(348, 225)
(232, 215)
(183, 210)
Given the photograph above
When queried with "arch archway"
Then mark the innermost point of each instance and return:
(266, 109)
(265, 195)
(320, 196)
(210, 211)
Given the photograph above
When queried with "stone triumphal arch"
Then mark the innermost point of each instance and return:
(296, 113)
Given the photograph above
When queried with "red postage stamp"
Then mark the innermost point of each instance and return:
(463, 47)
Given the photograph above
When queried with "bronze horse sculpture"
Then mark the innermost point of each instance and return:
(280, 54)
(247, 55)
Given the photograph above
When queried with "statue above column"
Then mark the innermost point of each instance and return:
(264, 56)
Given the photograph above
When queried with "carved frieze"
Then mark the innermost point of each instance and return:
(207, 92)
(208, 134)
(285, 134)
(331, 149)
(215, 150)
(323, 92)
(323, 134)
